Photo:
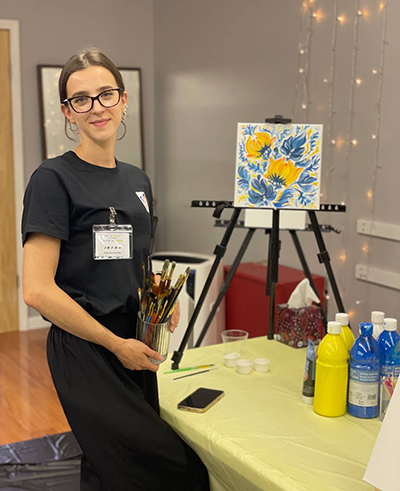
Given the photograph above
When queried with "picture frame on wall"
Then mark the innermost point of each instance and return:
(129, 149)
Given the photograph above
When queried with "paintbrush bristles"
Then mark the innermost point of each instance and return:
(157, 302)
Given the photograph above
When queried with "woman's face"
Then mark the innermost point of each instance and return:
(100, 124)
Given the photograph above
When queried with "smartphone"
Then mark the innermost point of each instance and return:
(200, 400)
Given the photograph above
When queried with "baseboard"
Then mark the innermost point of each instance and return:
(37, 322)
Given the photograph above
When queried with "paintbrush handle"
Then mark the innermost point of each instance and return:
(192, 374)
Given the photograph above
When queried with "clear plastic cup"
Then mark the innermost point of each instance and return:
(234, 340)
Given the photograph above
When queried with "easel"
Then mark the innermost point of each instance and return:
(273, 262)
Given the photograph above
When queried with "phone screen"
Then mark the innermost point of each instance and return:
(201, 400)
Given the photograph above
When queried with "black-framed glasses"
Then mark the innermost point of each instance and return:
(84, 103)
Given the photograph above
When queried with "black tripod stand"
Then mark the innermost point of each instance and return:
(272, 272)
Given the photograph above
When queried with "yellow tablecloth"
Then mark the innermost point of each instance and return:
(260, 436)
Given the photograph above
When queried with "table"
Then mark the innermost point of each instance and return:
(260, 436)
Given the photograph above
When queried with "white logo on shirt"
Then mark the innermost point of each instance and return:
(142, 196)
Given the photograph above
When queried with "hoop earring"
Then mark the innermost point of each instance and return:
(67, 126)
(124, 125)
(74, 130)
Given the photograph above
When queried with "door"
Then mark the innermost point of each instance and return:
(8, 255)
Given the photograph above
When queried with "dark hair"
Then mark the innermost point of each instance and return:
(85, 59)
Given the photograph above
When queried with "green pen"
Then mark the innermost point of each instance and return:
(189, 368)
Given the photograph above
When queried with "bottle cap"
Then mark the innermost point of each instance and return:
(377, 317)
(390, 324)
(307, 400)
(366, 329)
(342, 318)
(334, 327)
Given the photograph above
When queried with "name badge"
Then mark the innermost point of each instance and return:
(112, 241)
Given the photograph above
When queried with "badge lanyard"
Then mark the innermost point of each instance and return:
(112, 241)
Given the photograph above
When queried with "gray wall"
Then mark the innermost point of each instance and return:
(52, 31)
(220, 62)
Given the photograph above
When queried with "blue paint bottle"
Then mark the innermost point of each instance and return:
(389, 345)
(364, 375)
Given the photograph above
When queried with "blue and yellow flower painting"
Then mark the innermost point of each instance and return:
(278, 166)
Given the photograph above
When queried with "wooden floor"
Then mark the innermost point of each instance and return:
(29, 406)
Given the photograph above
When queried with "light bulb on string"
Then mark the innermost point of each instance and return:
(359, 13)
(365, 249)
(374, 136)
(340, 143)
(382, 6)
(301, 70)
(302, 51)
(318, 15)
(304, 105)
(370, 194)
(325, 80)
(375, 71)
(333, 142)
(358, 81)
(354, 142)
(341, 19)
(343, 257)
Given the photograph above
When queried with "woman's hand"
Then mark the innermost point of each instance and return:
(176, 315)
(134, 355)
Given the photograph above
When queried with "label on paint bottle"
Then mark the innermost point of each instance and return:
(363, 387)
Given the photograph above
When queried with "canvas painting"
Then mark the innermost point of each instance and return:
(278, 166)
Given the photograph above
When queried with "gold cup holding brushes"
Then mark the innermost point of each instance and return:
(157, 303)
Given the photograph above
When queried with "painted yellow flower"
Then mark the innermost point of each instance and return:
(258, 144)
(281, 173)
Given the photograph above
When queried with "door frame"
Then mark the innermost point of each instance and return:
(16, 100)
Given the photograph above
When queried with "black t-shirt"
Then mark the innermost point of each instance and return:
(65, 197)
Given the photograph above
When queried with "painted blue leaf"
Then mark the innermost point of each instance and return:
(261, 193)
(285, 198)
(293, 147)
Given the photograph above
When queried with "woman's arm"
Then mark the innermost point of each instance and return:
(41, 256)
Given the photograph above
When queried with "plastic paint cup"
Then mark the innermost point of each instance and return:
(234, 340)
(261, 365)
(244, 366)
(231, 359)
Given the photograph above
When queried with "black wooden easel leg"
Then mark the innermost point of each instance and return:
(219, 252)
(306, 270)
(225, 285)
(324, 258)
(273, 269)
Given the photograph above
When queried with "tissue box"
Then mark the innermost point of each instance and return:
(295, 326)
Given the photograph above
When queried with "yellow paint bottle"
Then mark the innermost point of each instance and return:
(346, 333)
(332, 374)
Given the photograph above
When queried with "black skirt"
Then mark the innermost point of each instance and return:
(114, 415)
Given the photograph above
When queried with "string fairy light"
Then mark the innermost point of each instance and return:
(304, 56)
(331, 100)
(351, 142)
(301, 51)
(377, 164)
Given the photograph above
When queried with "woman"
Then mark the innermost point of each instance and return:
(104, 378)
